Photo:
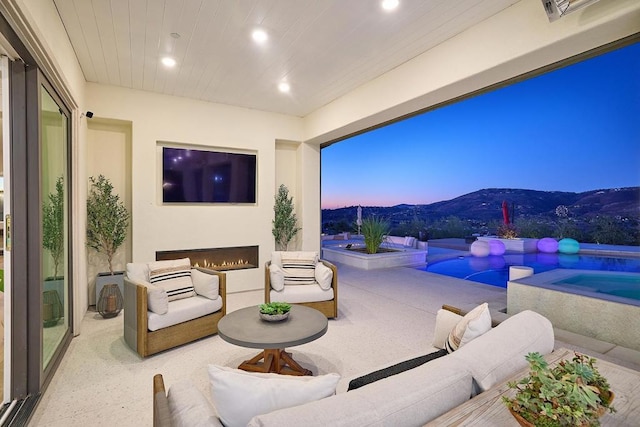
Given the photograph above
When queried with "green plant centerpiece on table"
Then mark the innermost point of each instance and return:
(274, 311)
(275, 308)
(374, 230)
(572, 393)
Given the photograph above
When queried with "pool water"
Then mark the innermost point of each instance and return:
(494, 270)
(622, 286)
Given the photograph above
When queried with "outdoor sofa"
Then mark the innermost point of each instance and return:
(406, 398)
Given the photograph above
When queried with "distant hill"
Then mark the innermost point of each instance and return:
(485, 205)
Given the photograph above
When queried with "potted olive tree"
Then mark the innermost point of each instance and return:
(53, 226)
(53, 241)
(284, 222)
(107, 225)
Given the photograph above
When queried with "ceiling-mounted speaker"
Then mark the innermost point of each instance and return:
(556, 9)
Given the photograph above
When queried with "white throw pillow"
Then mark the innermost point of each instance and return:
(174, 276)
(324, 276)
(189, 407)
(206, 285)
(138, 271)
(299, 270)
(239, 396)
(473, 324)
(277, 277)
(157, 300)
(445, 321)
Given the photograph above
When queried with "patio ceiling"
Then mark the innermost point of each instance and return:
(322, 49)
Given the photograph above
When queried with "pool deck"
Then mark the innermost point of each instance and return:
(430, 291)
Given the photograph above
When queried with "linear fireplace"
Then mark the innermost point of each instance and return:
(221, 259)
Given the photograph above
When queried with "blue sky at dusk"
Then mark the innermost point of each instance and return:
(574, 129)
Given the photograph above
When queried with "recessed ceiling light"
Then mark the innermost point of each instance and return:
(390, 4)
(259, 36)
(168, 62)
(284, 87)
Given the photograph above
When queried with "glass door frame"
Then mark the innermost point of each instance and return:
(38, 377)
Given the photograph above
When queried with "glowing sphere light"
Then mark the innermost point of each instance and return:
(548, 245)
(496, 247)
(480, 248)
(568, 246)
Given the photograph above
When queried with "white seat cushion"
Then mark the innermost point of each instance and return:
(302, 293)
(182, 310)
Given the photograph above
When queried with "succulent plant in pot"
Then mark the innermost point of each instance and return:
(571, 393)
(275, 311)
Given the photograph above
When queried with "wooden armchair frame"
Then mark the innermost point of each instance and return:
(328, 308)
(145, 342)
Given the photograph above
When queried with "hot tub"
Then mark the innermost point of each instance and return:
(597, 304)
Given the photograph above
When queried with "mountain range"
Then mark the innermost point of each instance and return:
(486, 205)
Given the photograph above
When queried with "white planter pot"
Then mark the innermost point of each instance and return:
(520, 245)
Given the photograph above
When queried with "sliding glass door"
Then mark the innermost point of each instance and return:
(54, 140)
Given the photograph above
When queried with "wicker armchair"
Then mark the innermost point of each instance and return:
(328, 307)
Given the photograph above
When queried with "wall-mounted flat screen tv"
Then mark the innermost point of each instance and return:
(199, 176)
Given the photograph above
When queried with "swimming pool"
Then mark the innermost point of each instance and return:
(494, 270)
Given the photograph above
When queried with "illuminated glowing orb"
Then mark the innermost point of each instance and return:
(480, 249)
(496, 247)
(548, 245)
(568, 246)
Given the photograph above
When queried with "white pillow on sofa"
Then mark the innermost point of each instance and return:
(239, 396)
(174, 276)
(204, 284)
(445, 321)
(324, 276)
(276, 274)
(472, 325)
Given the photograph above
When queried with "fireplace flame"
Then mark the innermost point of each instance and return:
(225, 264)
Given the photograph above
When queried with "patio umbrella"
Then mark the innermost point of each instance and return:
(505, 212)
(359, 220)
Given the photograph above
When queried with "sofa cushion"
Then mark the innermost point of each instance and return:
(276, 276)
(157, 300)
(173, 276)
(323, 276)
(301, 293)
(189, 407)
(276, 256)
(500, 352)
(472, 325)
(299, 270)
(138, 271)
(411, 398)
(239, 395)
(204, 284)
(182, 310)
(445, 321)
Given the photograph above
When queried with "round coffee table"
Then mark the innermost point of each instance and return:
(245, 328)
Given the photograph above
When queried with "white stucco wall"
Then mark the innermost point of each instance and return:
(158, 118)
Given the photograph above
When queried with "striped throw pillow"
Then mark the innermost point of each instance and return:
(174, 279)
(299, 271)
